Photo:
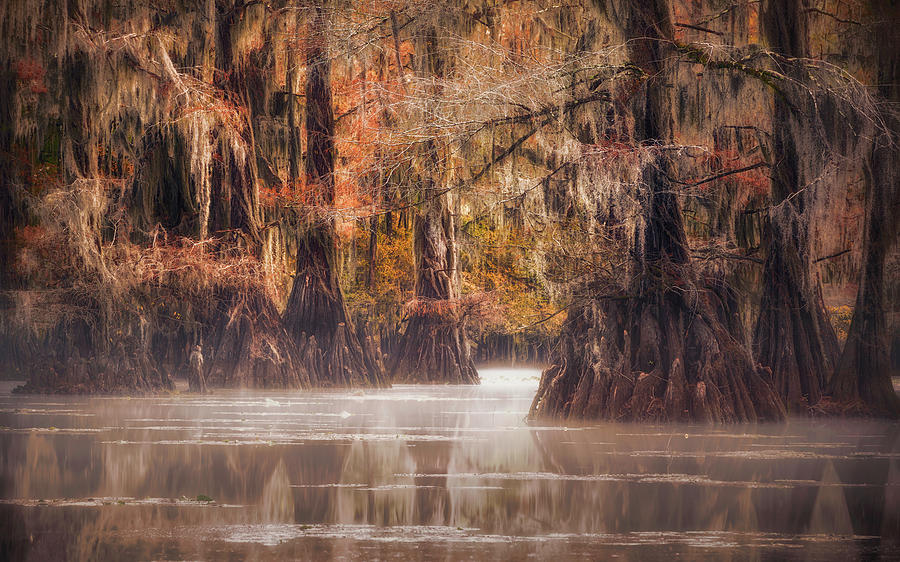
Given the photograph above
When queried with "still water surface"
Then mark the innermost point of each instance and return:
(429, 472)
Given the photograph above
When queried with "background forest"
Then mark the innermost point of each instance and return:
(688, 208)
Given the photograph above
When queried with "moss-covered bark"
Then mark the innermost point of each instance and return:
(661, 350)
(153, 154)
(333, 351)
(793, 337)
(862, 378)
(433, 347)
(137, 117)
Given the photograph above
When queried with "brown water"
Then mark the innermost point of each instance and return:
(429, 472)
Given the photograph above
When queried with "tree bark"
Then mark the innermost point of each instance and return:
(663, 349)
(332, 350)
(862, 379)
(249, 345)
(793, 336)
(433, 347)
(294, 148)
(378, 182)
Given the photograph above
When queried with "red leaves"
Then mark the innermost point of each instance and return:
(29, 235)
(288, 193)
(30, 73)
(755, 182)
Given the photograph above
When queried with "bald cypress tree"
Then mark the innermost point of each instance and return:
(332, 350)
(433, 347)
(663, 349)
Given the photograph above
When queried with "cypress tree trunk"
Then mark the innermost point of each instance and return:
(433, 348)
(793, 336)
(294, 148)
(663, 349)
(247, 344)
(316, 316)
(862, 378)
(372, 251)
(239, 176)
(250, 346)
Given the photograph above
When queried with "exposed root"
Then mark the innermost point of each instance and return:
(432, 350)
(252, 349)
(70, 362)
(793, 335)
(655, 359)
(124, 317)
(333, 352)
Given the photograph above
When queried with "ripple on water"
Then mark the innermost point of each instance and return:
(114, 501)
(276, 534)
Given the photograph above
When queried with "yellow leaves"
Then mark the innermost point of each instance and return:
(394, 275)
(841, 317)
(497, 262)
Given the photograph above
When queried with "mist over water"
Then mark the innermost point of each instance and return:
(429, 472)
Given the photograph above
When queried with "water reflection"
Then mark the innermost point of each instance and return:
(429, 472)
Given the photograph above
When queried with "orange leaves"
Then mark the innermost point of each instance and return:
(680, 13)
(360, 101)
(291, 193)
(755, 182)
(517, 32)
(407, 50)
(348, 194)
(529, 30)
(237, 266)
(378, 7)
(753, 23)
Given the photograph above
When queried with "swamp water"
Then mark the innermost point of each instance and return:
(429, 472)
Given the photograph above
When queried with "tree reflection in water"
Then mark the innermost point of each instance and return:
(439, 472)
